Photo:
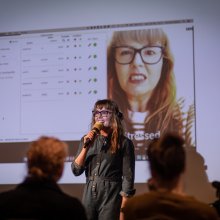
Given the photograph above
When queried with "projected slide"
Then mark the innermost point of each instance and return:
(150, 75)
(50, 79)
(49, 82)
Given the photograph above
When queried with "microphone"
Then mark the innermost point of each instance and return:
(216, 184)
(96, 129)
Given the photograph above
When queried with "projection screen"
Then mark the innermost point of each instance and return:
(51, 78)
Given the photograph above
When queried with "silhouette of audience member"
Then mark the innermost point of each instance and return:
(39, 196)
(216, 204)
(167, 200)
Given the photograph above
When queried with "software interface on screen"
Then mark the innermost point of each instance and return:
(50, 80)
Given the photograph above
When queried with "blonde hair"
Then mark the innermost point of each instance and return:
(162, 100)
(45, 158)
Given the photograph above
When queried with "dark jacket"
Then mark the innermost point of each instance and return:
(167, 205)
(39, 199)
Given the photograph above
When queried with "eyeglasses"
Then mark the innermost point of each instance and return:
(103, 113)
(149, 54)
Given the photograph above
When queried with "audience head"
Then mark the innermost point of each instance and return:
(46, 157)
(167, 157)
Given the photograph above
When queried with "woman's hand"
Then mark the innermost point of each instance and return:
(88, 139)
(121, 216)
(123, 202)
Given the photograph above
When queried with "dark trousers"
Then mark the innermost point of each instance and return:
(102, 199)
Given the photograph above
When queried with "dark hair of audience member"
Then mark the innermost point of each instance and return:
(167, 158)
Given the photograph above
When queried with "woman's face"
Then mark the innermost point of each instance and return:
(103, 115)
(138, 78)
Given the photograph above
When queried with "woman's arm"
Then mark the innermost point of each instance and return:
(80, 159)
(128, 174)
(128, 171)
(78, 164)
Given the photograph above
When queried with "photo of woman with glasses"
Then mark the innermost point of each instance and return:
(141, 80)
(108, 161)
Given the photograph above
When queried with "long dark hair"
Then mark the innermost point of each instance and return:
(116, 121)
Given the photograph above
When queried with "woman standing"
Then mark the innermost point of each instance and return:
(107, 157)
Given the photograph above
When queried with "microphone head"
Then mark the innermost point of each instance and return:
(98, 126)
(216, 184)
